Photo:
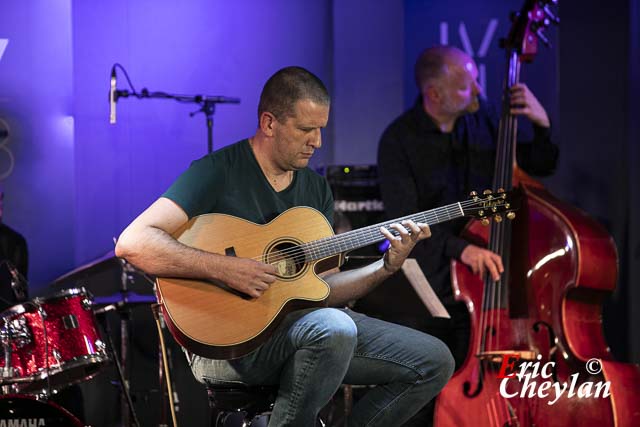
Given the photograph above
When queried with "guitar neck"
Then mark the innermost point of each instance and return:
(362, 237)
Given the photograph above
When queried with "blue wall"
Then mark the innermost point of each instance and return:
(36, 101)
(368, 55)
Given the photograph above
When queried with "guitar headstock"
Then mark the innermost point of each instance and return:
(490, 204)
(529, 26)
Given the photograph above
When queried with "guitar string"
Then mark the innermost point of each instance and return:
(369, 232)
(499, 231)
(366, 233)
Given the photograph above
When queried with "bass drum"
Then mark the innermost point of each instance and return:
(22, 410)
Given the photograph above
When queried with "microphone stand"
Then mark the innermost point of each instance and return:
(207, 105)
(126, 403)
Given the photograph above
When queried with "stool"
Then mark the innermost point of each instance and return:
(226, 400)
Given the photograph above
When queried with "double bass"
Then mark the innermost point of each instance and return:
(537, 354)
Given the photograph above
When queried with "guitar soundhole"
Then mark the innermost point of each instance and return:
(288, 259)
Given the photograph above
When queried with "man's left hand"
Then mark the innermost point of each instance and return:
(524, 103)
(401, 245)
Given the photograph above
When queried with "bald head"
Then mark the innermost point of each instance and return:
(437, 62)
(447, 79)
(288, 86)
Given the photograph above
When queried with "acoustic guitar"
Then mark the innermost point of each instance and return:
(213, 320)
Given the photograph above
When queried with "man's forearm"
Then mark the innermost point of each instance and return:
(159, 254)
(353, 284)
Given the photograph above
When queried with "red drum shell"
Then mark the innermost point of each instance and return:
(65, 347)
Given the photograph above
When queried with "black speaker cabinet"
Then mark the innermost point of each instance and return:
(357, 204)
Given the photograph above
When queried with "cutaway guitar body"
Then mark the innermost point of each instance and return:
(215, 321)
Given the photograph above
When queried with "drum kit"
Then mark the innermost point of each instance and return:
(50, 343)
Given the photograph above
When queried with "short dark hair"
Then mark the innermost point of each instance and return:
(431, 64)
(288, 86)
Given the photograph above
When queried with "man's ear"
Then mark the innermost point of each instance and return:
(432, 93)
(267, 122)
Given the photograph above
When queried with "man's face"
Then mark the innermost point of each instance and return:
(299, 135)
(460, 87)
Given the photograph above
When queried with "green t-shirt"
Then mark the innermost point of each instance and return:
(230, 181)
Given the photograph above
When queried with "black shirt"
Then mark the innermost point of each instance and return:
(422, 168)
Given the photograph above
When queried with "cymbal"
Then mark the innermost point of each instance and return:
(126, 298)
(105, 262)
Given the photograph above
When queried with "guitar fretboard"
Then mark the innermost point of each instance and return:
(361, 237)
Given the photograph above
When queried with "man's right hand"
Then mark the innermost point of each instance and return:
(481, 260)
(247, 275)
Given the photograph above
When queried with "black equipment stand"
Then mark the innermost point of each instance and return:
(207, 103)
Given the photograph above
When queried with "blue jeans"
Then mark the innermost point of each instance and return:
(314, 351)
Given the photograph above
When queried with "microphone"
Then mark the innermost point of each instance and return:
(112, 97)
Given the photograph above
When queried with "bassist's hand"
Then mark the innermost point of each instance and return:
(247, 276)
(481, 260)
(524, 103)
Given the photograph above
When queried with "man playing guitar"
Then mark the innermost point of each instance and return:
(312, 351)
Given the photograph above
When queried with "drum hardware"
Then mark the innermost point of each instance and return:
(70, 322)
(5, 338)
(124, 383)
(120, 300)
(19, 333)
(56, 355)
(81, 273)
(126, 278)
(123, 302)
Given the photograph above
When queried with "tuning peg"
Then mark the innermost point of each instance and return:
(543, 38)
(497, 217)
(485, 221)
(485, 192)
(500, 190)
(511, 215)
(473, 194)
(552, 17)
